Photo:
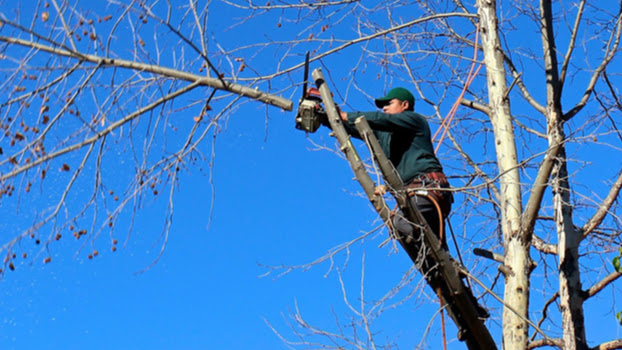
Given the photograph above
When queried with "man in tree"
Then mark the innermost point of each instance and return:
(405, 139)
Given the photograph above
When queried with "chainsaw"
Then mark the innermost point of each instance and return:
(311, 113)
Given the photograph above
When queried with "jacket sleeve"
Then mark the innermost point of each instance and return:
(347, 125)
(390, 122)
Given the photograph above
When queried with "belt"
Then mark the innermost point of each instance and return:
(433, 178)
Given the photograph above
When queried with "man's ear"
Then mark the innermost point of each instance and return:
(406, 105)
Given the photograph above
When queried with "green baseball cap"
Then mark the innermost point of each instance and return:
(399, 93)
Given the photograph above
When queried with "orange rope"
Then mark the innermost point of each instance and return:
(438, 290)
(452, 112)
(441, 233)
(441, 238)
(454, 109)
(440, 298)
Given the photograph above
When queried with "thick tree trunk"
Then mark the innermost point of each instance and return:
(570, 298)
(571, 301)
(515, 326)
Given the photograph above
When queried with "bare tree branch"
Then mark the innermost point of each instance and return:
(600, 285)
(612, 48)
(100, 134)
(603, 208)
(611, 345)
(167, 72)
(542, 246)
(545, 342)
(571, 44)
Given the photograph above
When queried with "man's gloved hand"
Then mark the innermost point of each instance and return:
(380, 190)
(342, 114)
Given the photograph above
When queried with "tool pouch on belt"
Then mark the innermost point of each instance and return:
(433, 180)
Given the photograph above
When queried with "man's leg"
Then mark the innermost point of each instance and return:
(429, 212)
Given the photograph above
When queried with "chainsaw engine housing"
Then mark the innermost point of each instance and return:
(310, 114)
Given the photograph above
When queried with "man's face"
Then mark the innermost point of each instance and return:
(395, 106)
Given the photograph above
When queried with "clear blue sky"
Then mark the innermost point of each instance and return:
(278, 201)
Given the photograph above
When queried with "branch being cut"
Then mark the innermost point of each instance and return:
(167, 72)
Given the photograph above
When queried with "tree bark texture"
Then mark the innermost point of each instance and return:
(571, 301)
(516, 241)
(570, 289)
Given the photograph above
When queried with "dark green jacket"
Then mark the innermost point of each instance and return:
(404, 138)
